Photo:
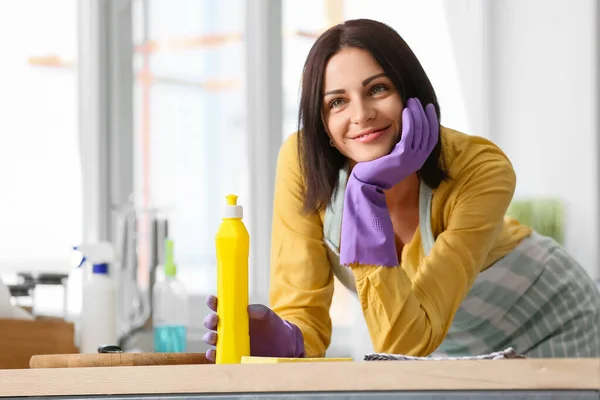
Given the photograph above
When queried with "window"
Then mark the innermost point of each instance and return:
(189, 122)
(302, 22)
(40, 167)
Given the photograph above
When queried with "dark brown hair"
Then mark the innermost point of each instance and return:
(319, 161)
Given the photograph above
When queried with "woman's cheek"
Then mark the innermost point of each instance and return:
(336, 128)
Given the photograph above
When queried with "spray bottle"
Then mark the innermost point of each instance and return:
(98, 312)
(170, 313)
(233, 245)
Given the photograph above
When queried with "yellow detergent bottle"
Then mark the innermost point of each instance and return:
(233, 246)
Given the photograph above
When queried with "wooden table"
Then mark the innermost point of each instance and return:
(486, 379)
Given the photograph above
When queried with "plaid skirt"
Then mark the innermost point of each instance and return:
(537, 299)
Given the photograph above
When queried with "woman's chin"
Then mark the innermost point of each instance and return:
(370, 155)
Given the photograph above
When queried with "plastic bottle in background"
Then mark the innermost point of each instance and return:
(170, 314)
(232, 245)
(98, 312)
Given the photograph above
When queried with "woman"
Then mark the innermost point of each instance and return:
(410, 216)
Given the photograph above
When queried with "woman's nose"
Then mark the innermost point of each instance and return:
(362, 112)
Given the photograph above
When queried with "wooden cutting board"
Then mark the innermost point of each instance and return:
(22, 339)
(115, 360)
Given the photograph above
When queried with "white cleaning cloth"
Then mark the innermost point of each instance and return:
(499, 355)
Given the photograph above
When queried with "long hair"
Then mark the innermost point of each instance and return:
(319, 161)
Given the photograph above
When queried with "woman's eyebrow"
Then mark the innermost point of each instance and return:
(368, 80)
(336, 91)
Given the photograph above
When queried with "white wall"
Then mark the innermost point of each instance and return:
(544, 101)
(467, 23)
(525, 74)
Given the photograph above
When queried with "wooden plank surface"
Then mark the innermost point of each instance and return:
(542, 374)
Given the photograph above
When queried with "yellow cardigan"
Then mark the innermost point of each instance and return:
(408, 310)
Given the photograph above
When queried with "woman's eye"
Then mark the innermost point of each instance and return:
(378, 89)
(336, 103)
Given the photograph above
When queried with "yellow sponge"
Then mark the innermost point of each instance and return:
(279, 360)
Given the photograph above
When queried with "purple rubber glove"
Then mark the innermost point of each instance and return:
(367, 231)
(270, 336)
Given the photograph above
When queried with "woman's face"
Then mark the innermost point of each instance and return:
(361, 107)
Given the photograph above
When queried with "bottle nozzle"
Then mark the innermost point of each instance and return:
(231, 200)
(170, 267)
(96, 253)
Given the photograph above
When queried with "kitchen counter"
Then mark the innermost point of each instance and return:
(483, 379)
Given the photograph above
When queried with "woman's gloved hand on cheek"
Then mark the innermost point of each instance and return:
(270, 336)
(367, 230)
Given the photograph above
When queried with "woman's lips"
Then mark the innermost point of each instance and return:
(371, 137)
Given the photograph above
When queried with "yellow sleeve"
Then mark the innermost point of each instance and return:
(301, 286)
(413, 316)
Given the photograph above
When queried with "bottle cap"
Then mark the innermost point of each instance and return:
(232, 209)
(101, 268)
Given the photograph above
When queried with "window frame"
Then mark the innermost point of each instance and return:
(105, 54)
(106, 120)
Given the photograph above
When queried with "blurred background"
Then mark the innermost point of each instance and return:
(164, 107)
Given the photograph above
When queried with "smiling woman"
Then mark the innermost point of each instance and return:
(357, 92)
(410, 216)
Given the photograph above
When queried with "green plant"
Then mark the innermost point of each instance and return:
(546, 216)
